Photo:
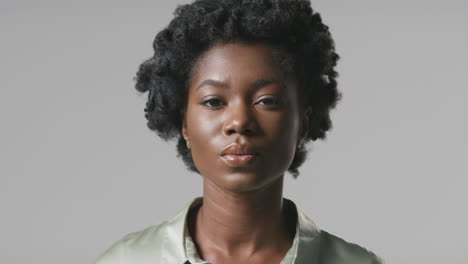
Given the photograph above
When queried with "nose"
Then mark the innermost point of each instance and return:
(240, 119)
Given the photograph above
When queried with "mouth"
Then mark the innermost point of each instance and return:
(239, 150)
(239, 155)
(239, 160)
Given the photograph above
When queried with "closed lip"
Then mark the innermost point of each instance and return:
(237, 149)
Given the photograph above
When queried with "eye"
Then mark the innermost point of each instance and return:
(270, 101)
(211, 103)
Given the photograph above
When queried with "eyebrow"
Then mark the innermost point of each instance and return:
(255, 84)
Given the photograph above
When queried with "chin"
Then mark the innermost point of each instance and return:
(241, 181)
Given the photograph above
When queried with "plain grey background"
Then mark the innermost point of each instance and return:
(79, 169)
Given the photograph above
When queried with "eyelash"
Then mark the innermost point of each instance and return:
(215, 99)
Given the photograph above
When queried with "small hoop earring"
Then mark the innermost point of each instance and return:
(188, 144)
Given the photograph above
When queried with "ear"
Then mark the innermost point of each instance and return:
(183, 113)
(304, 126)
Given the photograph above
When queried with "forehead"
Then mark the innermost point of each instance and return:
(238, 60)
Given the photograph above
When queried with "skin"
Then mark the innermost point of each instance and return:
(242, 218)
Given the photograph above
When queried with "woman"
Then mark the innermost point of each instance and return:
(242, 85)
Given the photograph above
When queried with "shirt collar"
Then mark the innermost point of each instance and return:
(181, 249)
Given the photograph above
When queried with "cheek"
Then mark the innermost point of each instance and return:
(282, 127)
(282, 140)
(205, 135)
(284, 135)
(203, 126)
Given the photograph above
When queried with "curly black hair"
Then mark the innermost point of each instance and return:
(291, 27)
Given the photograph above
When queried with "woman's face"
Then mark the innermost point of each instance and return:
(238, 95)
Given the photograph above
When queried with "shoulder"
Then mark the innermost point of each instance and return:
(135, 245)
(337, 250)
(161, 243)
(319, 246)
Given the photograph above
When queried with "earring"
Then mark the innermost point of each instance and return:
(299, 145)
(188, 144)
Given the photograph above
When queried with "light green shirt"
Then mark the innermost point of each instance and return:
(170, 243)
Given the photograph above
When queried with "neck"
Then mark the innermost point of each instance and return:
(242, 223)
